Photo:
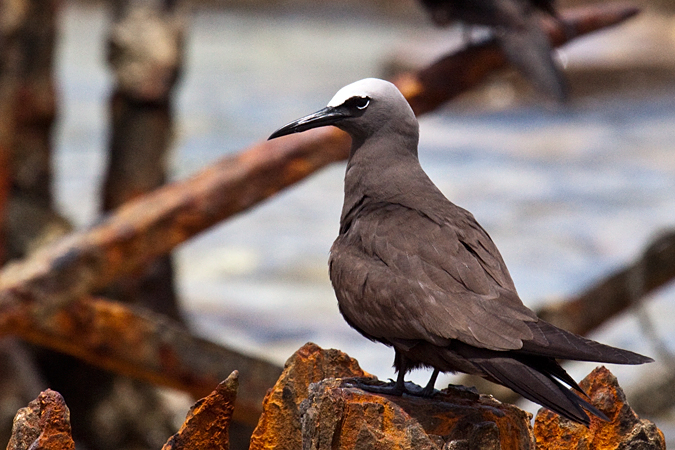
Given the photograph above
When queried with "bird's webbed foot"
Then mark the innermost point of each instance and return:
(395, 388)
(378, 387)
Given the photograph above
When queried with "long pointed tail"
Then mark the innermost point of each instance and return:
(539, 387)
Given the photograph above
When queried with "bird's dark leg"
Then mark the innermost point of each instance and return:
(428, 390)
(401, 366)
(399, 387)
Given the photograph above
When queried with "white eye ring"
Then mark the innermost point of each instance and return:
(364, 106)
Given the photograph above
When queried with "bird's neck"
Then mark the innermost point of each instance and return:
(384, 171)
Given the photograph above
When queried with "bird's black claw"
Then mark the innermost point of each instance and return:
(378, 387)
(391, 388)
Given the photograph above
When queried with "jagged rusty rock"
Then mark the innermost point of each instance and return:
(43, 425)
(338, 415)
(625, 430)
(20, 382)
(279, 425)
(208, 421)
(314, 405)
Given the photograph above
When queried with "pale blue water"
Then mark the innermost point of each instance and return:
(568, 196)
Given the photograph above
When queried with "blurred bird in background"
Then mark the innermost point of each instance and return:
(516, 26)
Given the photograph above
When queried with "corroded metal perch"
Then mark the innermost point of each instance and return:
(142, 344)
(618, 291)
(44, 297)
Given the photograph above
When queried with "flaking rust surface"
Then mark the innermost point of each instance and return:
(43, 425)
(279, 426)
(208, 421)
(624, 430)
(339, 415)
(455, 414)
(315, 405)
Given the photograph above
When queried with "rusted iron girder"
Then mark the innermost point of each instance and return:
(618, 291)
(142, 344)
(41, 296)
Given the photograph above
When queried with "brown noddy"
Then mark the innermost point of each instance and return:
(516, 26)
(416, 272)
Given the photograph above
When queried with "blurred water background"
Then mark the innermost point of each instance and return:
(568, 194)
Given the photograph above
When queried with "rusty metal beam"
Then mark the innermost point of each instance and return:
(616, 292)
(142, 344)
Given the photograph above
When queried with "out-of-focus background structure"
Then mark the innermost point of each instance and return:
(570, 194)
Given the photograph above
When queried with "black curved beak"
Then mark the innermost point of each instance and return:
(327, 116)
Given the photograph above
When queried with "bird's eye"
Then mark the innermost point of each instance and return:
(358, 103)
(362, 102)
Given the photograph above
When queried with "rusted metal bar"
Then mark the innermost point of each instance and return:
(143, 229)
(46, 290)
(139, 45)
(616, 292)
(144, 345)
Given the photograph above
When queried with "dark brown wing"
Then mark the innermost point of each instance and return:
(400, 275)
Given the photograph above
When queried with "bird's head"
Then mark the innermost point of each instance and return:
(362, 109)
